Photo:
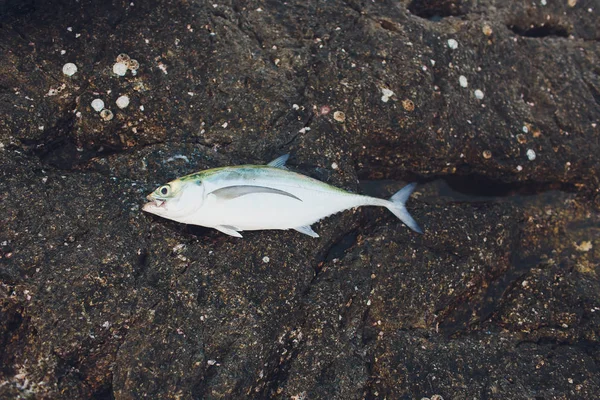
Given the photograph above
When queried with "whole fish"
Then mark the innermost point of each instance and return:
(254, 197)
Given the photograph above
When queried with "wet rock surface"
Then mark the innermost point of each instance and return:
(493, 106)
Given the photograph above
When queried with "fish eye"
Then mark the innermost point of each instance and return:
(164, 190)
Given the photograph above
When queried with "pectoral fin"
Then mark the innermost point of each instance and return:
(231, 192)
(279, 162)
(228, 230)
(307, 230)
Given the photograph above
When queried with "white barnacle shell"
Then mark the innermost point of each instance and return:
(531, 154)
(97, 105)
(123, 101)
(120, 69)
(69, 69)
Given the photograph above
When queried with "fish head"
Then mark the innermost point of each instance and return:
(176, 200)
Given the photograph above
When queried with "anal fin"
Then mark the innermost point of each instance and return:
(307, 230)
(229, 230)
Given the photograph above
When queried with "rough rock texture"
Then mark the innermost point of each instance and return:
(499, 299)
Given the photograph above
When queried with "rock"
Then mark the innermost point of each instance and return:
(495, 300)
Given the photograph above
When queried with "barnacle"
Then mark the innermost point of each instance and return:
(120, 69)
(69, 69)
(123, 58)
(106, 115)
(97, 105)
(133, 64)
(339, 116)
(123, 101)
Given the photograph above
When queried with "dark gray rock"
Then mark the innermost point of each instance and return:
(499, 298)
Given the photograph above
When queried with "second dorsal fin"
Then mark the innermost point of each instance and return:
(279, 162)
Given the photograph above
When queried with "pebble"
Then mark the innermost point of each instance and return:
(266, 259)
(478, 94)
(123, 101)
(120, 69)
(97, 105)
(531, 154)
(463, 81)
(69, 69)
(585, 246)
(453, 44)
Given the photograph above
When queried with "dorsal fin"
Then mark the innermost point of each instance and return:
(279, 162)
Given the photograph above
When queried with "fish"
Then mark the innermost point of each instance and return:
(242, 198)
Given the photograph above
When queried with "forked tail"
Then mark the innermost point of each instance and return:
(396, 206)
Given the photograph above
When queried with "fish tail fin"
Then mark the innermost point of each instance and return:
(396, 206)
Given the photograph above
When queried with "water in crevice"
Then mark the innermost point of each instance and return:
(474, 189)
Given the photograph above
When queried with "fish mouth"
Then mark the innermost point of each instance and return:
(155, 204)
